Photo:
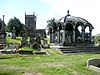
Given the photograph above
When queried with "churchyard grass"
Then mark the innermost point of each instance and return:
(17, 40)
(53, 64)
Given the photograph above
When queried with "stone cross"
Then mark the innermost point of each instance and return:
(13, 33)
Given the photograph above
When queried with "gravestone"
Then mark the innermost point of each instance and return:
(38, 39)
(24, 40)
(37, 43)
(2, 34)
(13, 33)
(32, 36)
(45, 44)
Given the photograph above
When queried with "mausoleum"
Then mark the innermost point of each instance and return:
(71, 30)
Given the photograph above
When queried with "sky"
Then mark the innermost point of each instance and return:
(47, 9)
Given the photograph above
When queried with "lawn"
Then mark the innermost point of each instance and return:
(17, 40)
(53, 64)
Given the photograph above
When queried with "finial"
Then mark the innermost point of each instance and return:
(25, 12)
(34, 13)
(3, 17)
(68, 13)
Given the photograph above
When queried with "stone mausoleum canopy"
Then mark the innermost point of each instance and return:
(71, 30)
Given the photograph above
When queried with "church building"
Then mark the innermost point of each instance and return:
(30, 22)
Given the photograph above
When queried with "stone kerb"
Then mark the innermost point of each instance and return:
(94, 64)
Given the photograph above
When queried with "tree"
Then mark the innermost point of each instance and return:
(52, 25)
(14, 23)
(24, 29)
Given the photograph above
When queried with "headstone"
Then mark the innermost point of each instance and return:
(37, 43)
(38, 39)
(45, 44)
(24, 40)
(13, 33)
(32, 36)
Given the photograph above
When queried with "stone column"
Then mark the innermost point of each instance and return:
(74, 35)
(83, 32)
(52, 36)
(58, 37)
(90, 35)
(63, 34)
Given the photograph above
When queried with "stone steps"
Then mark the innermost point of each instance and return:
(75, 49)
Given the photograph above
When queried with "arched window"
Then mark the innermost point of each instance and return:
(87, 32)
(87, 29)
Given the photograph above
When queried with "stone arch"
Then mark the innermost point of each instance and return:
(79, 31)
(59, 26)
(88, 25)
(54, 26)
(87, 35)
(86, 29)
(69, 26)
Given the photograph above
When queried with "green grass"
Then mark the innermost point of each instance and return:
(17, 40)
(28, 48)
(54, 64)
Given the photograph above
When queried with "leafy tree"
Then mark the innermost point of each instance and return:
(52, 25)
(14, 23)
(96, 39)
(24, 29)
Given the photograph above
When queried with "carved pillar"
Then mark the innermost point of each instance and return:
(50, 30)
(90, 35)
(52, 36)
(74, 34)
(83, 32)
(58, 37)
(63, 34)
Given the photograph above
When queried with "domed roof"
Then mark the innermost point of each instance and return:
(75, 20)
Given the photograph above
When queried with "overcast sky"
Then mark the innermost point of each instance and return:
(47, 9)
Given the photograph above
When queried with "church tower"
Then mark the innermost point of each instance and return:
(30, 22)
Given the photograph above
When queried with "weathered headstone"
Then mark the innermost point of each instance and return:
(37, 43)
(24, 40)
(32, 36)
(38, 39)
(45, 44)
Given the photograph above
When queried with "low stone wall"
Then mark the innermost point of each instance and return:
(94, 64)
